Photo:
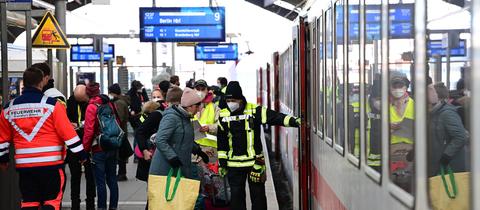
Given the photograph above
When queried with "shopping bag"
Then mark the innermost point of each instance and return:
(450, 191)
(172, 193)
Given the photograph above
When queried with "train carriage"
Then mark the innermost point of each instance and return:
(338, 75)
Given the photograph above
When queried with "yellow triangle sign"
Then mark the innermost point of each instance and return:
(49, 34)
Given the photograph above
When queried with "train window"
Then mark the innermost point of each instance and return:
(329, 88)
(373, 87)
(401, 103)
(313, 73)
(339, 76)
(353, 110)
(448, 105)
(320, 77)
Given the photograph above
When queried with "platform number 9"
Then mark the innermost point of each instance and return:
(217, 16)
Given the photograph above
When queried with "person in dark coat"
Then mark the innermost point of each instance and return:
(175, 137)
(138, 95)
(448, 137)
(145, 131)
(121, 103)
(76, 108)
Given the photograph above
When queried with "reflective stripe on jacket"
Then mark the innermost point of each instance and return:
(39, 128)
(239, 141)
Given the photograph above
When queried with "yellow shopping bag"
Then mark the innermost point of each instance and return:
(445, 197)
(162, 195)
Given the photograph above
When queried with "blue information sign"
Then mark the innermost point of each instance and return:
(434, 47)
(401, 21)
(216, 52)
(79, 53)
(182, 24)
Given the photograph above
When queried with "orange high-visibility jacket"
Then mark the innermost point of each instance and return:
(39, 128)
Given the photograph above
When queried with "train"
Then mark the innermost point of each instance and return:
(337, 75)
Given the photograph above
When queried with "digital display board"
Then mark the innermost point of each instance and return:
(216, 52)
(79, 53)
(182, 24)
(401, 21)
(434, 47)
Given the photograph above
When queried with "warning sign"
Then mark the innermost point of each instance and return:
(49, 34)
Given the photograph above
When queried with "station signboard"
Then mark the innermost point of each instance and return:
(82, 53)
(401, 22)
(216, 51)
(434, 47)
(182, 24)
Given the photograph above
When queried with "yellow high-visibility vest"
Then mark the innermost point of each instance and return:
(207, 118)
(409, 114)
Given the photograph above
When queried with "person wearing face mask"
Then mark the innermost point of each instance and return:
(121, 103)
(240, 150)
(175, 137)
(207, 116)
(402, 118)
(447, 134)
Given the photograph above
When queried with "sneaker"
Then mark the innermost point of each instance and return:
(122, 178)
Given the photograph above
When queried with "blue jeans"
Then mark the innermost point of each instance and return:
(105, 171)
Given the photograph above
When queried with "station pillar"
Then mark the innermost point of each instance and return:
(61, 81)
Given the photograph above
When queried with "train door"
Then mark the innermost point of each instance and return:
(300, 108)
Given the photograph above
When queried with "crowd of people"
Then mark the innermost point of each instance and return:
(94, 127)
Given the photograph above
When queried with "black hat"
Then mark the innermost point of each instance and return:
(164, 86)
(200, 82)
(115, 89)
(234, 90)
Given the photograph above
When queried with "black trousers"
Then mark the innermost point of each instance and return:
(76, 176)
(237, 178)
(42, 188)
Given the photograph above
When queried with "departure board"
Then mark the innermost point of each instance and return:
(182, 24)
(216, 52)
(79, 53)
(434, 47)
(401, 25)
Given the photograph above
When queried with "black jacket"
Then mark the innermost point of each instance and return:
(142, 136)
(136, 99)
(238, 130)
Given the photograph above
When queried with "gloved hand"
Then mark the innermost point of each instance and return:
(296, 122)
(222, 171)
(445, 160)
(175, 162)
(257, 174)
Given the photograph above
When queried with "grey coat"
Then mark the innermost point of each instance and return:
(447, 136)
(175, 138)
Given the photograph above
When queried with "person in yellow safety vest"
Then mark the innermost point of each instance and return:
(374, 127)
(208, 118)
(354, 122)
(240, 150)
(402, 118)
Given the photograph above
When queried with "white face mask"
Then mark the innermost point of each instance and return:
(398, 93)
(233, 106)
(110, 97)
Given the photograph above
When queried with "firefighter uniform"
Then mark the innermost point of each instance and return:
(39, 128)
(240, 147)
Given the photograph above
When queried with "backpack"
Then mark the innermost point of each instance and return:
(111, 134)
